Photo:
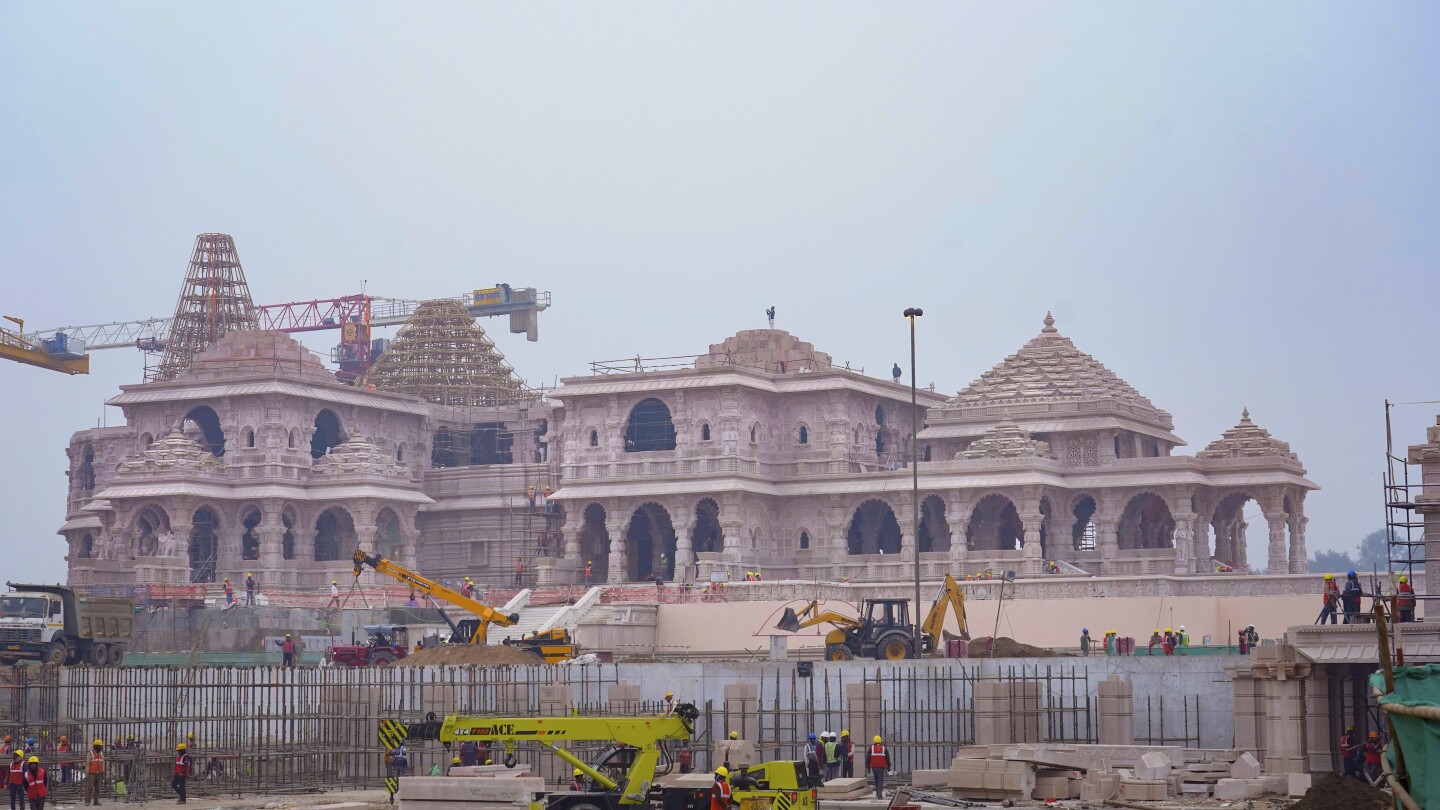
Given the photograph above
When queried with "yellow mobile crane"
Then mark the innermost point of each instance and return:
(622, 776)
(554, 645)
(882, 630)
(57, 353)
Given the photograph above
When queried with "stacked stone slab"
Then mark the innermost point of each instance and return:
(554, 702)
(863, 701)
(468, 793)
(742, 709)
(990, 779)
(857, 787)
(1007, 712)
(1117, 711)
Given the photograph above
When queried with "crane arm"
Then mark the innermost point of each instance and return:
(32, 351)
(951, 597)
(487, 615)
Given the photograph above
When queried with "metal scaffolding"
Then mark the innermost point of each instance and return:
(214, 300)
(441, 355)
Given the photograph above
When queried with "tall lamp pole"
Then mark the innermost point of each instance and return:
(912, 313)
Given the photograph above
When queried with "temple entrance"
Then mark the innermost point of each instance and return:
(250, 540)
(334, 535)
(706, 535)
(650, 543)
(204, 535)
(874, 529)
(594, 545)
(1146, 523)
(1082, 531)
(934, 529)
(995, 525)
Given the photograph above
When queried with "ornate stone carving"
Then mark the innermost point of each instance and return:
(1005, 440)
(1247, 439)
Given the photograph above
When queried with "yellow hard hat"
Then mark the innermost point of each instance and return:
(191, 735)
(1168, 630)
(877, 738)
(455, 760)
(577, 771)
(489, 762)
(722, 771)
(19, 754)
(180, 747)
(669, 694)
(287, 635)
(36, 760)
(98, 743)
(248, 574)
(845, 732)
(1404, 580)
(1329, 576)
(334, 582)
(734, 735)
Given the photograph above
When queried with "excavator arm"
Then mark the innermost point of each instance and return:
(811, 615)
(951, 597)
(487, 615)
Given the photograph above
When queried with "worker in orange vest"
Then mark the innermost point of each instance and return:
(287, 651)
(1372, 758)
(15, 780)
(36, 787)
(588, 564)
(577, 784)
(94, 772)
(720, 798)
(878, 762)
(1405, 600)
(182, 772)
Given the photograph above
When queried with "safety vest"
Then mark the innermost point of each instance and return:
(35, 784)
(182, 765)
(720, 795)
(1405, 598)
(847, 749)
(576, 786)
(17, 773)
(1372, 752)
(1347, 745)
(288, 647)
(95, 763)
(879, 757)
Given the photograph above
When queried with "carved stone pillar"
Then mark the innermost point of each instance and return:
(958, 516)
(1278, 562)
(1033, 564)
(1239, 543)
(683, 521)
(1184, 543)
(1201, 544)
(616, 564)
(733, 539)
(271, 533)
(1299, 561)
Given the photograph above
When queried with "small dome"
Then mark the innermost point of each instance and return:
(771, 350)
(250, 352)
(1247, 440)
(174, 451)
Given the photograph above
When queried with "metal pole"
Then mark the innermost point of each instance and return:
(913, 313)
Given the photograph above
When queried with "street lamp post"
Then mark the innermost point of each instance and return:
(912, 313)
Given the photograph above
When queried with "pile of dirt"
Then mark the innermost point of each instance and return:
(467, 655)
(1006, 647)
(1336, 792)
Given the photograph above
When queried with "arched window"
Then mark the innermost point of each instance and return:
(879, 442)
(400, 453)
(87, 467)
(87, 546)
(250, 540)
(874, 530)
(204, 420)
(649, 428)
(327, 433)
(594, 438)
(290, 441)
(287, 540)
(804, 540)
(704, 431)
(204, 545)
(804, 437)
(249, 437)
(879, 414)
(925, 453)
(755, 433)
(334, 532)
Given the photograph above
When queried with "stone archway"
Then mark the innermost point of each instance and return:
(150, 525)
(1083, 533)
(388, 536)
(205, 422)
(873, 529)
(707, 535)
(335, 536)
(934, 528)
(995, 525)
(594, 541)
(1146, 523)
(649, 538)
(204, 545)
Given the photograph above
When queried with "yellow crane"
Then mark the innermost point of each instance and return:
(58, 353)
(882, 630)
(554, 645)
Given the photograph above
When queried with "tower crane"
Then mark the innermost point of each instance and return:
(355, 315)
(60, 351)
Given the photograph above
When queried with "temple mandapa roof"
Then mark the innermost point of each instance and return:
(1247, 439)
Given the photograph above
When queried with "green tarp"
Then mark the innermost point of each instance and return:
(1419, 739)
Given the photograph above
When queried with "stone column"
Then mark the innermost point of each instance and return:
(616, 563)
(1202, 548)
(1299, 563)
(1109, 542)
(1239, 543)
(959, 527)
(732, 537)
(1279, 561)
(182, 525)
(1184, 538)
(271, 533)
(683, 521)
(1034, 563)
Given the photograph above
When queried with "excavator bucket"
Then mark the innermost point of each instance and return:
(789, 622)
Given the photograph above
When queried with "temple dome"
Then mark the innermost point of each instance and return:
(771, 350)
(442, 356)
(1247, 440)
(249, 352)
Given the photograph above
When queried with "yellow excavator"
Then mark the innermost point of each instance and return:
(882, 630)
(554, 645)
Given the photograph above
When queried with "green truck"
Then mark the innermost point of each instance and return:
(52, 625)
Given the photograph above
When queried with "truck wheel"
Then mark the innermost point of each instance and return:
(56, 653)
(893, 648)
(838, 652)
(99, 655)
(382, 659)
(117, 656)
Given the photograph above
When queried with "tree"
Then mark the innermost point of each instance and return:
(1332, 562)
(1374, 552)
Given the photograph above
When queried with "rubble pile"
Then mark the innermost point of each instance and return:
(1335, 792)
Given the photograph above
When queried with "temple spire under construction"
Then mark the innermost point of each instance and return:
(214, 300)
(444, 357)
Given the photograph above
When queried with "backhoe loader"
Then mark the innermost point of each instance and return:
(882, 630)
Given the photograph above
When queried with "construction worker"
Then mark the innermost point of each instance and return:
(1372, 758)
(589, 569)
(1244, 642)
(732, 737)
(669, 705)
(686, 757)
(334, 594)
(454, 763)
(1252, 636)
(1350, 754)
(1350, 598)
(36, 784)
(1085, 641)
(182, 771)
(1154, 639)
(832, 756)
(229, 593)
(15, 780)
(469, 753)
(1331, 600)
(720, 798)
(1167, 642)
(519, 571)
(94, 772)
(1183, 638)
(812, 758)
(878, 762)
(250, 590)
(1405, 600)
(287, 651)
(1109, 643)
(847, 755)
(5, 745)
(577, 783)
(467, 589)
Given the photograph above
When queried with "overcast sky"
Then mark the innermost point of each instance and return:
(1230, 205)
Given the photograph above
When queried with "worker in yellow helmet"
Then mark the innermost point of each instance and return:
(879, 763)
(94, 772)
(720, 793)
(183, 768)
(847, 754)
(577, 781)
(37, 785)
(334, 594)
(1405, 601)
(1331, 601)
(669, 705)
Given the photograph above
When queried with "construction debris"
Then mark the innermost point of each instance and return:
(1006, 647)
(471, 655)
(1336, 792)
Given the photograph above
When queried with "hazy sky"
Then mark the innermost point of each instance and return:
(1228, 204)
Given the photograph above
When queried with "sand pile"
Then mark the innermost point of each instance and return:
(467, 655)
(1336, 792)
(1006, 647)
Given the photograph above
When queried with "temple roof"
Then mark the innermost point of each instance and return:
(443, 356)
(1247, 439)
(771, 350)
(247, 352)
(1048, 368)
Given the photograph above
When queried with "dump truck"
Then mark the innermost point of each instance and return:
(53, 625)
(882, 629)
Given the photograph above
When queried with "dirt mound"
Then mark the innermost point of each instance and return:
(1336, 792)
(1006, 647)
(467, 655)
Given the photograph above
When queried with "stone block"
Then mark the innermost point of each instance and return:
(1194, 789)
(1048, 756)
(1152, 766)
(1274, 785)
(1235, 790)
(1144, 790)
(928, 778)
(519, 791)
(1298, 784)
(1245, 767)
(1051, 787)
